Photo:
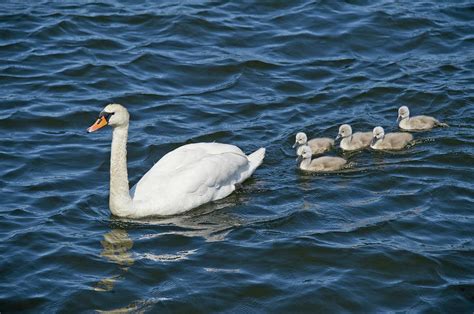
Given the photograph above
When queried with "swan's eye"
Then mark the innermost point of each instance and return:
(107, 115)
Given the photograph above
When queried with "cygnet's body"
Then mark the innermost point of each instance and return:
(321, 164)
(317, 145)
(390, 141)
(353, 141)
(417, 123)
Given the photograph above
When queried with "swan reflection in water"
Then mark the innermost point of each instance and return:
(210, 222)
(116, 245)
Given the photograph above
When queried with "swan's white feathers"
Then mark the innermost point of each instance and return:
(189, 153)
(189, 176)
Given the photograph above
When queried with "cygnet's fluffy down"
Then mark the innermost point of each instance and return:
(321, 164)
(389, 141)
(317, 145)
(417, 123)
(353, 141)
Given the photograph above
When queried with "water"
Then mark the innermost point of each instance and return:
(395, 233)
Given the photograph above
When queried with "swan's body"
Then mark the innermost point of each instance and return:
(317, 145)
(417, 123)
(185, 178)
(353, 141)
(389, 141)
(320, 164)
(192, 175)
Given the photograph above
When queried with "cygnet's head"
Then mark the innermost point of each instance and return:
(345, 130)
(306, 152)
(378, 133)
(114, 115)
(403, 113)
(300, 139)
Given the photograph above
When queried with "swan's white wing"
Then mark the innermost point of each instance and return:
(212, 173)
(181, 157)
(190, 153)
(211, 177)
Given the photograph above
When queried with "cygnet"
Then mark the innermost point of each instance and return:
(356, 141)
(317, 145)
(389, 141)
(321, 164)
(417, 123)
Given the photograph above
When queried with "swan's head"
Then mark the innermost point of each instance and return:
(403, 113)
(378, 133)
(306, 152)
(114, 115)
(300, 139)
(345, 130)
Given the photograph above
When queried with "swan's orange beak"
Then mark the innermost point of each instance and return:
(99, 124)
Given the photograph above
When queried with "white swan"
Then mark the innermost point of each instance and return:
(389, 141)
(417, 123)
(185, 178)
(317, 145)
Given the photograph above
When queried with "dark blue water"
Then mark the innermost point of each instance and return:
(394, 233)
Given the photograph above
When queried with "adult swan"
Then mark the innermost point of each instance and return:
(185, 178)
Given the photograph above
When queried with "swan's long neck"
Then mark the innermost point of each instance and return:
(120, 201)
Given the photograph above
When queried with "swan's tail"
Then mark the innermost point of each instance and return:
(256, 159)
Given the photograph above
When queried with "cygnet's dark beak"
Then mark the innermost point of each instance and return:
(338, 137)
(299, 158)
(374, 140)
(399, 118)
(295, 144)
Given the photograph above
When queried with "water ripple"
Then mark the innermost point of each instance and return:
(393, 233)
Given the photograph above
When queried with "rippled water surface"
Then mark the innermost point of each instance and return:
(394, 233)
